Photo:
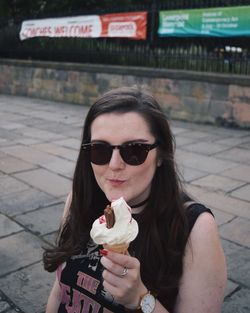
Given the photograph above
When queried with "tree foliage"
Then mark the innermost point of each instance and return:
(17, 10)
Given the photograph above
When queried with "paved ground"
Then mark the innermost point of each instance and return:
(38, 148)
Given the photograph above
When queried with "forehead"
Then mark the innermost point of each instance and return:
(120, 126)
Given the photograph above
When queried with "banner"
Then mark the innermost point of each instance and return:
(130, 25)
(123, 25)
(214, 22)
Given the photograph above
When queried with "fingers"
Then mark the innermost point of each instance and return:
(121, 289)
(119, 275)
(116, 269)
(125, 260)
(116, 280)
(121, 278)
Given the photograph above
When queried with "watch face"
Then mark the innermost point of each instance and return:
(148, 303)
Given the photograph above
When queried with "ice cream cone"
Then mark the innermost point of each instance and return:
(119, 248)
(116, 228)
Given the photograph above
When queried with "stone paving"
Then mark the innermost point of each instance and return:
(38, 148)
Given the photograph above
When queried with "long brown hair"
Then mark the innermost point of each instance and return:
(163, 225)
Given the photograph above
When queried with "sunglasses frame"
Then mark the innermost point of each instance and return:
(147, 147)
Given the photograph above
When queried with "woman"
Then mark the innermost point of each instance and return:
(176, 263)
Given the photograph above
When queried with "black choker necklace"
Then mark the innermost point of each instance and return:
(139, 204)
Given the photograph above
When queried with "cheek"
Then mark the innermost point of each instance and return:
(98, 173)
(146, 173)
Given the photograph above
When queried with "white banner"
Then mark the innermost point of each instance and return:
(79, 26)
(124, 25)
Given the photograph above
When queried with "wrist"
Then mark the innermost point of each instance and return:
(136, 306)
(146, 304)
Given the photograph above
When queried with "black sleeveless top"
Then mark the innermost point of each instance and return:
(80, 277)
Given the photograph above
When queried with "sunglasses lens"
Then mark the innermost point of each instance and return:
(134, 154)
(100, 154)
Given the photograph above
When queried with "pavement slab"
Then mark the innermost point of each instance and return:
(237, 230)
(216, 182)
(242, 193)
(19, 250)
(206, 148)
(203, 162)
(221, 201)
(26, 141)
(232, 141)
(241, 172)
(196, 134)
(236, 154)
(239, 302)
(39, 143)
(184, 141)
(23, 201)
(9, 185)
(4, 306)
(238, 265)
(231, 287)
(39, 134)
(28, 154)
(46, 181)
(42, 221)
(66, 153)
(50, 238)
(29, 288)
(69, 143)
(60, 166)
(222, 217)
(10, 165)
(11, 126)
(245, 145)
(9, 135)
(189, 174)
(7, 226)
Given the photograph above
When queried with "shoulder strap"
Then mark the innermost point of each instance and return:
(193, 211)
(187, 204)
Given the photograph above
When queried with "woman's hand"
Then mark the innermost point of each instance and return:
(128, 288)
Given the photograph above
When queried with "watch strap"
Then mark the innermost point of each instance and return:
(138, 309)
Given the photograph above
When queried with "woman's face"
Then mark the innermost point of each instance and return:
(116, 178)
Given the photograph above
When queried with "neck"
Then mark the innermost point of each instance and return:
(137, 208)
(137, 205)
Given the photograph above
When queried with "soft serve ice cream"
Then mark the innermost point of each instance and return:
(118, 236)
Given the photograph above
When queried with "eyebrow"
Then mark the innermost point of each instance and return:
(125, 142)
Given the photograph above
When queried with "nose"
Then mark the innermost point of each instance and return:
(116, 161)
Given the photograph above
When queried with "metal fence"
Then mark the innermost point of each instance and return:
(223, 55)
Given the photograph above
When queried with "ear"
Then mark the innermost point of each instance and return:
(159, 162)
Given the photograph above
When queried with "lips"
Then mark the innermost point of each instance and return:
(116, 182)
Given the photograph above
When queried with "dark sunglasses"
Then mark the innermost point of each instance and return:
(131, 153)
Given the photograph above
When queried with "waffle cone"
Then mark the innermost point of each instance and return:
(119, 248)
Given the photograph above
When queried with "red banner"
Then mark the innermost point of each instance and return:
(122, 25)
(130, 25)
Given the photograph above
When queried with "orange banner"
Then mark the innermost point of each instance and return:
(130, 25)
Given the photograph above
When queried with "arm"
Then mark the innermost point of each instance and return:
(67, 206)
(54, 298)
(65, 211)
(126, 290)
(204, 276)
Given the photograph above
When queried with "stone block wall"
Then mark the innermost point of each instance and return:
(200, 97)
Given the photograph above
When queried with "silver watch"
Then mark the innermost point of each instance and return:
(147, 304)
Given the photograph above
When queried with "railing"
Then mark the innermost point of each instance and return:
(223, 55)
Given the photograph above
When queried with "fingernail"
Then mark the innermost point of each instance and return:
(103, 252)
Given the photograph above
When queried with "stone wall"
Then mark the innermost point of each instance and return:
(192, 96)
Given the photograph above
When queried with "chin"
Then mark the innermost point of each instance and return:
(114, 196)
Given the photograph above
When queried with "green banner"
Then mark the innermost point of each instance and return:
(214, 22)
